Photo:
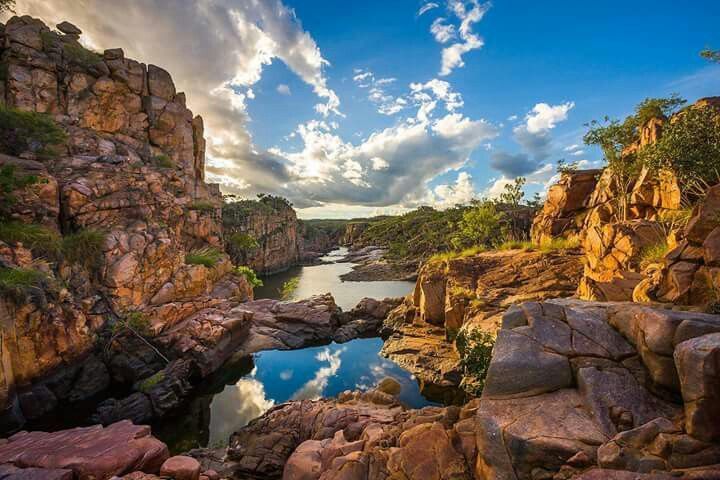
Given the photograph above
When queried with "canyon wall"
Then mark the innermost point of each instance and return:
(120, 205)
(263, 234)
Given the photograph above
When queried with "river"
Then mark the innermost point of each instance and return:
(245, 389)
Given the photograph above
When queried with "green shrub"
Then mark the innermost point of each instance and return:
(243, 242)
(653, 253)
(689, 146)
(475, 349)
(207, 257)
(288, 289)
(202, 206)
(480, 225)
(16, 283)
(163, 161)
(79, 55)
(29, 132)
(42, 241)
(713, 308)
(249, 275)
(84, 247)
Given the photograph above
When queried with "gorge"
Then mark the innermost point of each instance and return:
(577, 339)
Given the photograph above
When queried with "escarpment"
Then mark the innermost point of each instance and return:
(104, 221)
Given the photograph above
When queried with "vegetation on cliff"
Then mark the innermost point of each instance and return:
(22, 131)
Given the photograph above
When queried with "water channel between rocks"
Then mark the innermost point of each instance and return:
(245, 388)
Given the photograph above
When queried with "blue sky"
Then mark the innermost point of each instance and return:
(285, 87)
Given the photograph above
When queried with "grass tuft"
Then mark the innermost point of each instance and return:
(15, 283)
(653, 253)
(84, 248)
(467, 252)
(42, 241)
(207, 257)
(202, 206)
(163, 161)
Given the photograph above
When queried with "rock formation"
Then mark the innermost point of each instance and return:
(466, 294)
(574, 390)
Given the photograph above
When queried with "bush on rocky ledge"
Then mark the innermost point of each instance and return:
(207, 257)
(17, 283)
(249, 275)
(475, 349)
(34, 132)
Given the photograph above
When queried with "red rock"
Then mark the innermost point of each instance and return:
(181, 468)
(92, 453)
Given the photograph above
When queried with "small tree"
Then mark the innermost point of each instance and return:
(689, 146)
(480, 225)
(513, 193)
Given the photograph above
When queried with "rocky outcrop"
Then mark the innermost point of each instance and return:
(90, 453)
(563, 213)
(574, 390)
(467, 294)
(263, 234)
(353, 232)
(129, 174)
(689, 273)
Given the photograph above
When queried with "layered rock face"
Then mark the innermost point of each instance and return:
(131, 170)
(467, 294)
(272, 226)
(574, 390)
(690, 273)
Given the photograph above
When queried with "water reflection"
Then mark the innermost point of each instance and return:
(246, 389)
(237, 405)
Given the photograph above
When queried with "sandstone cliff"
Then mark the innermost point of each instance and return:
(263, 234)
(128, 178)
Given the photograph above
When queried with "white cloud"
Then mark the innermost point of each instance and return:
(283, 89)
(386, 104)
(572, 147)
(313, 389)
(452, 56)
(427, 7)
(459, 193)
(442, 32)
(379, 164)
(544, 117)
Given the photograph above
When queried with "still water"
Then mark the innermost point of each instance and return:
(246, 388)
(325, 278)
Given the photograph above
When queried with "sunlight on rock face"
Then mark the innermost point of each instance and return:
(314, 388)
(235, 407)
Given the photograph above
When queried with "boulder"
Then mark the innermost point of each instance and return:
(698, 366)
(181, 468)
(91, 453)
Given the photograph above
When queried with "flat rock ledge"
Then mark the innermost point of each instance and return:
(575, 390)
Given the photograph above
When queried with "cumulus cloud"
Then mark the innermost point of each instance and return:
(535, 139)
(442, 31)
(544, 117)
(283, 89)
(217, 51)
(448, 195)
(314, 388)
(512, 165)
(468, 13)
(235, 406)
